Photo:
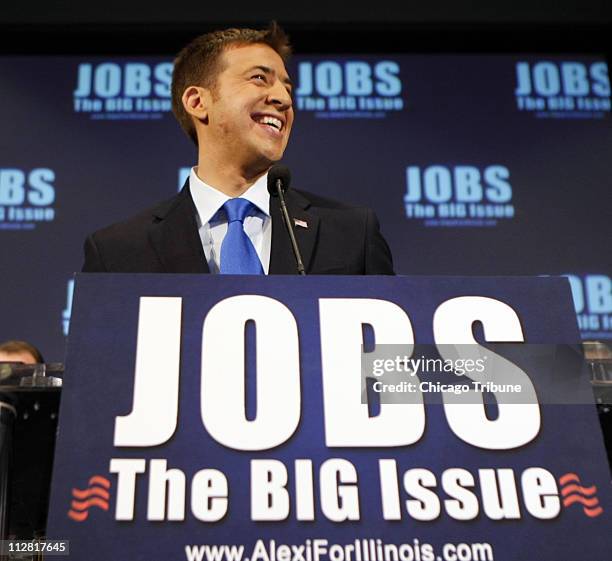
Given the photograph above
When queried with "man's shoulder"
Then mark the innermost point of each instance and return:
(126, 246)
(317, 202)
(139, 222)
(350, 241)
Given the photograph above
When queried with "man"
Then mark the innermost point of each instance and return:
(20, 351)
(232, 95)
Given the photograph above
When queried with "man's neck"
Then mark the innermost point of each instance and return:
(230, 180)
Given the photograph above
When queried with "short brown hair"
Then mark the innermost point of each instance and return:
(14, 347)
(198, 62)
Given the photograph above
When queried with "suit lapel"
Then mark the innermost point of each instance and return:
(282, 260)
(174, 236)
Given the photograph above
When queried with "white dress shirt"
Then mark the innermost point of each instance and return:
(212, 220)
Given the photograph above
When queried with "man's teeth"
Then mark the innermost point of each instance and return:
(276, 123)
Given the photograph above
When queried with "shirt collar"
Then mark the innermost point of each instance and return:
(209, 200)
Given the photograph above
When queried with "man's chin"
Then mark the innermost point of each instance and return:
(270, 158)
(272, 151)
(261, 165)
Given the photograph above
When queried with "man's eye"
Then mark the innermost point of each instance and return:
(259, 77)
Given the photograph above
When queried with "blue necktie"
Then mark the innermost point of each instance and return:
(238, 256)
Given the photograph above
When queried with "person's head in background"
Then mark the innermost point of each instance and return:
(20, 351)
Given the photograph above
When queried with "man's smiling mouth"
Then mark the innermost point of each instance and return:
(274, 123)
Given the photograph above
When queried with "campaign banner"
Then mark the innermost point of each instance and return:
(222, 418)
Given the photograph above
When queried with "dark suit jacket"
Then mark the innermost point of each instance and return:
(339, 239)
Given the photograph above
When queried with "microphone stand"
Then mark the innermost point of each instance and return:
(287, 221)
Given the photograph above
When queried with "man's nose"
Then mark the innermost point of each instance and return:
(279, 96)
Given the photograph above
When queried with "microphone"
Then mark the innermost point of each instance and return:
(278, 173)
(279, 178)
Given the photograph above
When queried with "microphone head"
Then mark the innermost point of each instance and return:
(276, 172)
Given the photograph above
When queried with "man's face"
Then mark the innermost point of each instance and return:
(250, 110)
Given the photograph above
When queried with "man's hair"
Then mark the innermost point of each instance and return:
(199, 63)
(13, 347)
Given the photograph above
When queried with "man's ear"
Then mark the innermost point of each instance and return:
(196, 101)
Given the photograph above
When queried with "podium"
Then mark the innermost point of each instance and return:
(29, 406)
(238, 418)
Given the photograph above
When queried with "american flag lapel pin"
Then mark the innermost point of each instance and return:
(301, 223)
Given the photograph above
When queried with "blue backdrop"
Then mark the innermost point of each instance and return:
(490, 165)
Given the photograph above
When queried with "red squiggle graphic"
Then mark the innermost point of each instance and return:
(568, 477)
(593, 512)
(99, 480)
(78, 516)
(576, 493)
(579, 489)
(89, 492)
(96, 495)
(86, 505)
(578, 499)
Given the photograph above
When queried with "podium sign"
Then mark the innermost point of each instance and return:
(224, 418)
